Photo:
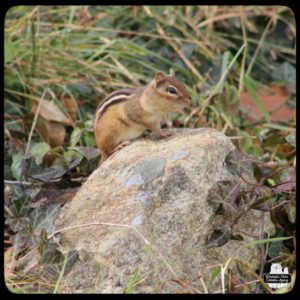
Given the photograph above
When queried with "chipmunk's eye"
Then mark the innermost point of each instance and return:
(172, 90)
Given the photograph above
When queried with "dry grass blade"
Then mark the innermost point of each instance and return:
(175, 47)
(223, 270)
(243, 16)
(215, 89)
(34, 123)
(259, 47)
(126, 72)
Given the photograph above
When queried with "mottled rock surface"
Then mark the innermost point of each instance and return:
(158, 188)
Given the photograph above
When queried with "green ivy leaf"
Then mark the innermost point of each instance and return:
(70, 155)
(87, 152)
(218, 237)
(240, 164)
(75, 136)
(53, 261)
(88, 124)
(89, 139)
(222, 196)
(20, 207)
(43, 217)
(17, 191)
(75, 162)
(72, 158)
(17, 223)
(17, 165)
(39, 150)
(46, 174)
(264, 200)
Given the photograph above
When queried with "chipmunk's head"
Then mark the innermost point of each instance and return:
(171, 90)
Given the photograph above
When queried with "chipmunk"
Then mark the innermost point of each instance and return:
(127, 113)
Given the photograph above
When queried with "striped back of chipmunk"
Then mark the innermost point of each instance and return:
(111, 99)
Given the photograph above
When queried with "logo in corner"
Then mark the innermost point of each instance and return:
(278, 277)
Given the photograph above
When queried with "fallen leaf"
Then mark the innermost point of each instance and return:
(51, 112)
(52, 133)
(284, 186)
(71, 106)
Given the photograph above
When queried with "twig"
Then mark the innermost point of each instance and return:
(242, 16)
(223, 270)
(262, 254)
(126, 72)
(34, 123)
(280, 204)
(241, 137)
(258, 47)
(8, 211)
(204, 285)
(185, 285)
(188, 284)
(33, 61)
(21, 182)
(246, 283)
(247, 234)
(274, 258)
(26, 183)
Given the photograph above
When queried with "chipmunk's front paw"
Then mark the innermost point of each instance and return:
(166, 134)
(170, 133)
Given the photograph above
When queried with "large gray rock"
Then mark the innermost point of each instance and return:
(158, 189)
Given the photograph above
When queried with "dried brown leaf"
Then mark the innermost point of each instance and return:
(71, 106)
(51, 112)
(284, 186)
(51, 132)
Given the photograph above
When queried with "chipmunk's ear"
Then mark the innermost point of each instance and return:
(159, 76)
(172, 73)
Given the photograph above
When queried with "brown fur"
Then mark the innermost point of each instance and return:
(127, 118)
